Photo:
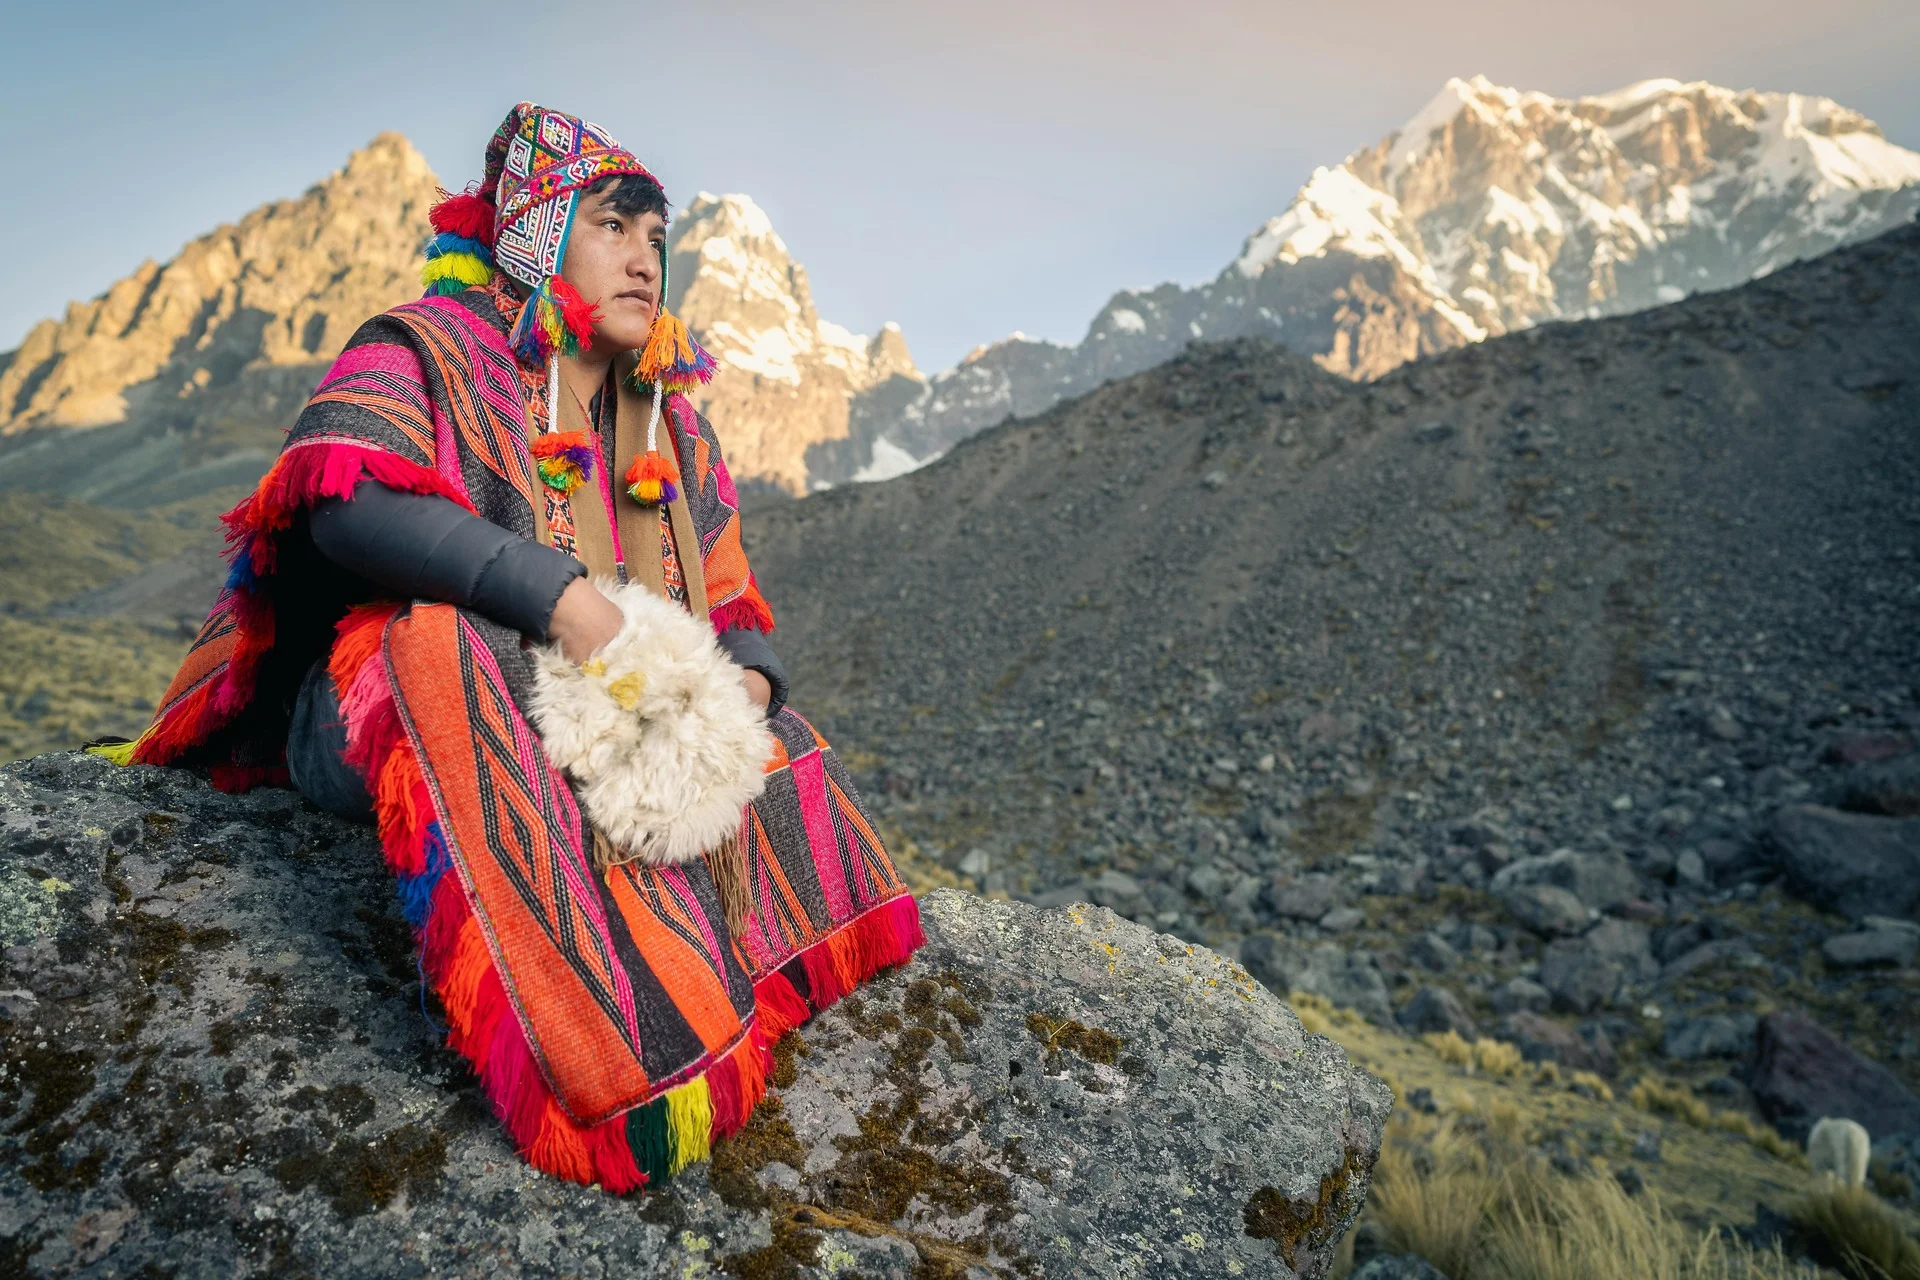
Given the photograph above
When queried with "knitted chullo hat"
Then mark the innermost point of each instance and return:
(516, 222)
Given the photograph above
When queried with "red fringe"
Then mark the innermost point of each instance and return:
(885, 936)
(613, 1158)
(305, 474)
(189, 724)
(747, 611)
(779, 1006)
(302, 476)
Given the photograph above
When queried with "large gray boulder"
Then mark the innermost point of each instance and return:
(1802, 1071)
(1890, 787)
(216, 1063)
(1599, 880)
(1853, 864)
(1715, 1035)
(1579, 977)
(1546, 909)
(1347, 979)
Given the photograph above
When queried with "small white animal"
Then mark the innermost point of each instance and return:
(1839, 1149)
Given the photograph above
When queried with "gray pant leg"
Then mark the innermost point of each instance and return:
(316, 750)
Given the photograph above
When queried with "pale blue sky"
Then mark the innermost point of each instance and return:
(966, 170)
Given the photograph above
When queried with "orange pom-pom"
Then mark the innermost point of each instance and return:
(651, 479)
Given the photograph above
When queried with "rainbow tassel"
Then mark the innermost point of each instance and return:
(564, 460)
(672, 360)
(650, 480)
(460, 256)
(556, 321)
(449, 242)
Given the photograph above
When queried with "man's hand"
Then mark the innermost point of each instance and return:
(583, 620)
(757, 687)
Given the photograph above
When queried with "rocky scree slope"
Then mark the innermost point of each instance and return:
(1582, 658)
(215, 1059)
(1491, 210)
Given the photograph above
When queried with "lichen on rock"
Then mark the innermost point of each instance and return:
(215, 1059)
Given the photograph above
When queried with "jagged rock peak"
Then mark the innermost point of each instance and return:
(286, 284)
(753, 305)
(787, 378)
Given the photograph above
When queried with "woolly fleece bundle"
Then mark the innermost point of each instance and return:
(657, 731)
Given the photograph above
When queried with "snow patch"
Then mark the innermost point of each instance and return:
(1635, 94)
(1454, 97)
(889, 460)
(1128, 321)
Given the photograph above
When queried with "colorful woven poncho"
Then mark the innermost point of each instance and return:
(616, 1022)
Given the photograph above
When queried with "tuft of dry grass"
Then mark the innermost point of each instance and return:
(1491, 1057)
(1590, 1229)
(1450, 1048)
(1471, 1195)
(1593, 1084)
(1436, 1187)
(1498, 1058)
(1665, 1098)
(1873, 1240)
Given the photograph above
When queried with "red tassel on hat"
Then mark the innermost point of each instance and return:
(575, 311)
(467, 214)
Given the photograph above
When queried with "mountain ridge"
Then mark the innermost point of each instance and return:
(220, 345)
(1493, 209)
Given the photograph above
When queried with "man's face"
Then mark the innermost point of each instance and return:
(613, 259)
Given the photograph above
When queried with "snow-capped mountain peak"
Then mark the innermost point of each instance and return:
(787, 376)
(1491, 209)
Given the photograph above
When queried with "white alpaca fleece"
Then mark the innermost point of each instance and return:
(1839, 1149)
(663, 743)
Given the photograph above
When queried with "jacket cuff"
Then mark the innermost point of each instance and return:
(522, 585)
(749, 649)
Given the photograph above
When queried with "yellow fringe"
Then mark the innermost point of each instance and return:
(689, 1122)
(463, 267)
(120, 753)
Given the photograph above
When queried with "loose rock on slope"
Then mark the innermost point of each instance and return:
(215, 1063)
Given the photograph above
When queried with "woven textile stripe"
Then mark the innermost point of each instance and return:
(384, 378)
(479, 385)
(515, 836)
(813, 858)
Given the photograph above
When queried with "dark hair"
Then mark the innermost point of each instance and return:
(633, 194)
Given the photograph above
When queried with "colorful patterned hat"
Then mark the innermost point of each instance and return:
(537, 164)
(517, 221)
